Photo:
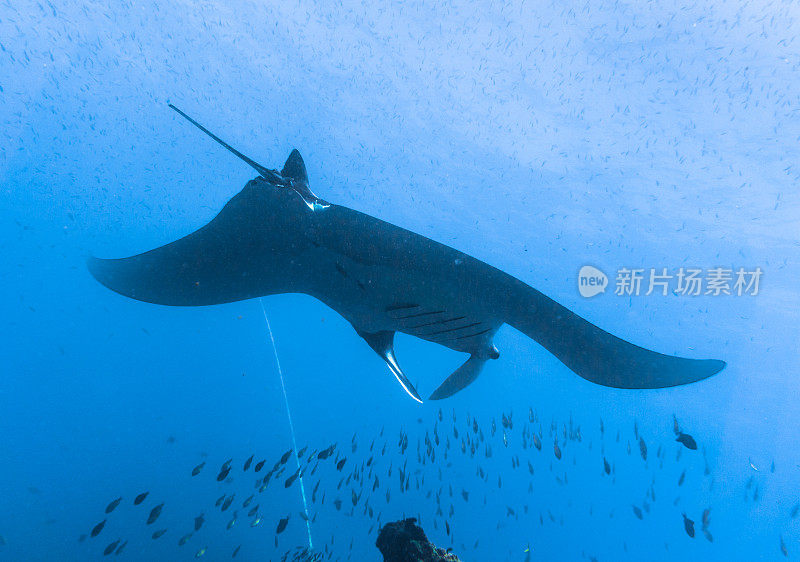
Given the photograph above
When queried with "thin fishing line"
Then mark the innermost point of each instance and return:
(291, 425)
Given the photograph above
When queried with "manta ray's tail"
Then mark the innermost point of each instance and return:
(594, 354)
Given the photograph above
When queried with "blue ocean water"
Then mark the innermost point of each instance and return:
(537, 137)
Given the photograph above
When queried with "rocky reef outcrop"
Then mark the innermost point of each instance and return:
(405, 541)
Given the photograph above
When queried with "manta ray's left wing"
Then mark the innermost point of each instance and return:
(213, 265)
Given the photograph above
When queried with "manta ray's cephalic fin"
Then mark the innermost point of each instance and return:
(383, 344)
(263, 171)
(461, 377)
(294, 170)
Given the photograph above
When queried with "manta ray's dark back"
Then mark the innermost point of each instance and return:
(276, 237)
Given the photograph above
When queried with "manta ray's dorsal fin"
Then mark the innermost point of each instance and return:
(295, 171)
(383, 344)
(295, 168)
(267, 174)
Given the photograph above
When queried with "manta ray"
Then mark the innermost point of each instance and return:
(276, 236)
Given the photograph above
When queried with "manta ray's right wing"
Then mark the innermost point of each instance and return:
(593, 353)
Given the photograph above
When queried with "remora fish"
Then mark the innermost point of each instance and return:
(276, 236)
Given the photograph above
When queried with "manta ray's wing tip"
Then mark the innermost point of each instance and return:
(693, 370)
(93, 264)
(102, 271)
(668, 372)
(99, 267)
(715, 366)
(699, 369)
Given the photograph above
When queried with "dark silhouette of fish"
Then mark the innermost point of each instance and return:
(688, 525)
(227, 503)
(97, 528)
(291, 479)
(113, 505)
(325, 453)
(154, 513)
(223, 473)
(276, 236)
(111, 548)
(158, 534)
(687, 441)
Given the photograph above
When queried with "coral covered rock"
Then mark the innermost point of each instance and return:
(405, 541)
